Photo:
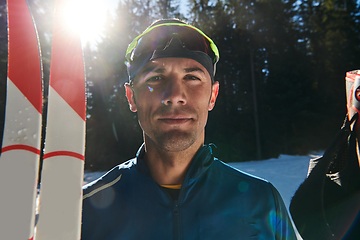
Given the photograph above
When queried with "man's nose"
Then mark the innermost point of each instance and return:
(174, 93)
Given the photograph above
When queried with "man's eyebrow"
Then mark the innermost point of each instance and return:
(152, 69)
(155, 69)
(193, 69)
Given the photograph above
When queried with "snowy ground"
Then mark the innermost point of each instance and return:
(286, 173)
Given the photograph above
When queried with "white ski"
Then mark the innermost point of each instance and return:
(61, 198)
(19, 160)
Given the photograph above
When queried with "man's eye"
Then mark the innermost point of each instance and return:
(191, 77)
(154, 79)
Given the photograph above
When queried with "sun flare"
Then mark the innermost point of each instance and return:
(86, 17)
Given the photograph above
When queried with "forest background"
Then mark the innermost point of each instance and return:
(281, 72)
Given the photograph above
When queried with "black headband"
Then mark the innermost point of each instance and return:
(173, 49)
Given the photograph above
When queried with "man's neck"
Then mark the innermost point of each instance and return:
(169, 167)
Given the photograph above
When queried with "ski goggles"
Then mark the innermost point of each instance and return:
(154, 43)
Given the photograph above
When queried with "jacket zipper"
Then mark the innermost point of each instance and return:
(176, 212)
(176, 217)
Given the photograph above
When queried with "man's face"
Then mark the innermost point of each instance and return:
(172, 97)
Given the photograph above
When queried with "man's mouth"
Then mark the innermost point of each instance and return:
(175, 120)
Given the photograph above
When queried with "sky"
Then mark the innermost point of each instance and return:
(81, 16)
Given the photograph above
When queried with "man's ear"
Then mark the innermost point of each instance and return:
(130, 97)
(214, 94)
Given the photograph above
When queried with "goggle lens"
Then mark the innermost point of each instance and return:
(157, 37)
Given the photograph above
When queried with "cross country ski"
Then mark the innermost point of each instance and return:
(61, 199)
(22, 133)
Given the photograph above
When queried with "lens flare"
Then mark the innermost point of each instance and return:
(86, 17)
(243, 187)
(273, 219)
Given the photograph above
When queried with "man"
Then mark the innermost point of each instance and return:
(175, 188)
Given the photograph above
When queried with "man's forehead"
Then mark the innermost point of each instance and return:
(163, 65)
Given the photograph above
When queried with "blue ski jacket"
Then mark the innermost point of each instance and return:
(216, 201)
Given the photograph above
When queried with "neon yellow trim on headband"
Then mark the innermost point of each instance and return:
(134, 43)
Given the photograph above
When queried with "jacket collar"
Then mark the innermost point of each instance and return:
(201, 162)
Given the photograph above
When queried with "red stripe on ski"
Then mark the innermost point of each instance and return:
(64, 153)
(20, 147)
(67, 76)
(24, 57)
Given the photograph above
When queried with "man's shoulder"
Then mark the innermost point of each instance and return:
(235, 173)
(109, 178)
(246, 182)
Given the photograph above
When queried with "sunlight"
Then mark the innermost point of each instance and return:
(87, 17)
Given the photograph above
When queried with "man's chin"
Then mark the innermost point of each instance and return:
(176, 141)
